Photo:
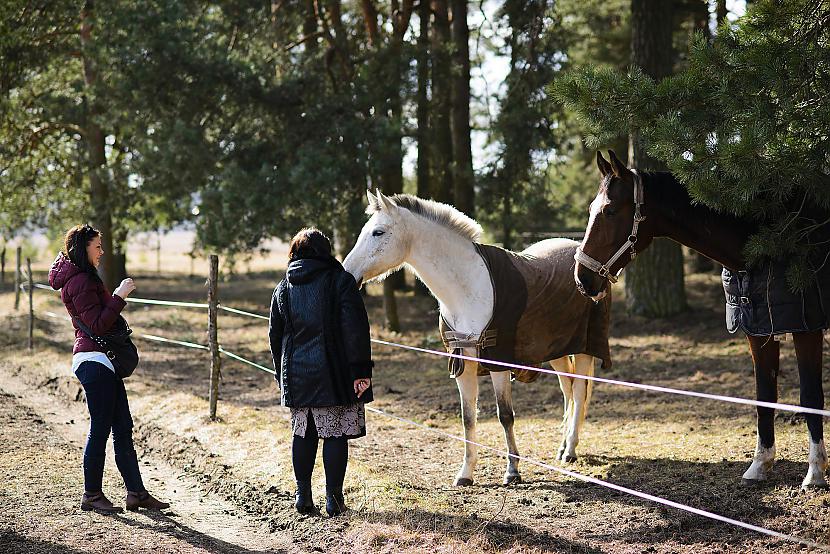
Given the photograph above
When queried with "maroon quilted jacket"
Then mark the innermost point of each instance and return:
(85, 297)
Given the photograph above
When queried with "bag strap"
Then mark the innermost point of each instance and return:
(100, 341)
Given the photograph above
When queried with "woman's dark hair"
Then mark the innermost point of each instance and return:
(309, 243)
(75, 243)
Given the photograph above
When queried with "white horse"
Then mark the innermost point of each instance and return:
(437, 242)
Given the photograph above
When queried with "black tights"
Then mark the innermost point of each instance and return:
(335, 457)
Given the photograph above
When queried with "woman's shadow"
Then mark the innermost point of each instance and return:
(169, 525)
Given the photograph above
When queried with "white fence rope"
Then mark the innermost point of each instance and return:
(249, 362)
(242, 312)
(157, 338)
(573, 474)
(640, 386)
(143, 300)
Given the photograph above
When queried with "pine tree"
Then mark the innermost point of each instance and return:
(744, 127)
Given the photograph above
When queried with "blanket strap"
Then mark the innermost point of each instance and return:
(455, 343)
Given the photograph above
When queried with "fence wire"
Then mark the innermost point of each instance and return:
(641, 386)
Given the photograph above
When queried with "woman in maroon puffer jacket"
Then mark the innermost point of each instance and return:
(85, 297)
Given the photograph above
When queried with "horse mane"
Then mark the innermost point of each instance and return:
(442, 214)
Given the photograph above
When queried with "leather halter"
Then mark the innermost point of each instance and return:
(604, 270)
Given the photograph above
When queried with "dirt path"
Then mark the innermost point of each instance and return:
(41, 441)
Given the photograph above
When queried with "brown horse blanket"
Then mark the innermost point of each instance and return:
(759, 301)
(538, 313)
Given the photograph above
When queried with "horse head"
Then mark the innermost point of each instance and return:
(383, 243)
(614, 234)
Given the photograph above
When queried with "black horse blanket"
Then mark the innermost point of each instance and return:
(759, 302)
(538, 315)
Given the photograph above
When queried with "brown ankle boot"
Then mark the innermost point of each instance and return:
(98, 502)
(136, 500)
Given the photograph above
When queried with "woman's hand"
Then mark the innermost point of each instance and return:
(361, 386)
(125, 288)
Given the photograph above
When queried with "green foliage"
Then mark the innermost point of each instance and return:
(744, 127)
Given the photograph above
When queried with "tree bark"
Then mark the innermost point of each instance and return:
(423, 187)
(654, 280)
(94, 136)
(422, 59)
(720, 12)
(463, 177)
(393, 179)
(442, 183)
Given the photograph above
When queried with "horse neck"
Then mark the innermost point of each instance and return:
(450, 267)
(718, 236)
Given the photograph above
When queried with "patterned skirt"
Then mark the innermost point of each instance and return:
(332, 421)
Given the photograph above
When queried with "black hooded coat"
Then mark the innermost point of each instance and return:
(319, 334)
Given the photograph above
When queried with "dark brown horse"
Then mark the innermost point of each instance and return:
(629, 211)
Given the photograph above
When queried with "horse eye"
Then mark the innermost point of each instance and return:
(609, 211)
(377, 232)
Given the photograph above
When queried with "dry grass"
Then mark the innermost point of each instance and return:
(399, 481)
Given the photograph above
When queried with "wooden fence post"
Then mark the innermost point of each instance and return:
(213, 341)
(17, 281)
(31, 304)
(3, 267)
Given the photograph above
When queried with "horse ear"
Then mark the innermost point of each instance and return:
(373, 201)
(604, 166)
(617, 166)
(384, 201)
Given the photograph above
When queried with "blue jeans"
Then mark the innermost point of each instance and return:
(106, 399)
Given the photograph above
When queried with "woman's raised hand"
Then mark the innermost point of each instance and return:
(125, 288)
(361, 385)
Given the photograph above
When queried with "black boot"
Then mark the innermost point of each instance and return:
(303, 503)
(335, 503)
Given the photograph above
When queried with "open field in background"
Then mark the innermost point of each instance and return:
(144, 255)
(400, 478)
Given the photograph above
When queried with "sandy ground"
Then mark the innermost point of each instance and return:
(400, 478)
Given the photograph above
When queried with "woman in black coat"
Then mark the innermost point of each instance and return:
(319, 334)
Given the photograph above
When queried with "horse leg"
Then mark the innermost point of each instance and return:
(468, 389)
(504, 403)
(566, 384)
(808, 351)
(765, 352)
(583, 365)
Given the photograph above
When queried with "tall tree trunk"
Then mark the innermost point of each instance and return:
(463, 178)
(720, 11)
(393, 180)
(654, 281)
(509, 173)
(119, 255)
(99, 188)
(442, 187)
(422, 59)
(507, 221)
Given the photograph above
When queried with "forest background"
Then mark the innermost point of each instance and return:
(248, 120)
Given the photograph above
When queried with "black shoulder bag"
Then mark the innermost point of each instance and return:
(117, 345)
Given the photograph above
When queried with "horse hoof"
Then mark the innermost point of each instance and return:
(815, 487)
(463, 482)
(512, 479)
(752, 482)
(569, 459)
